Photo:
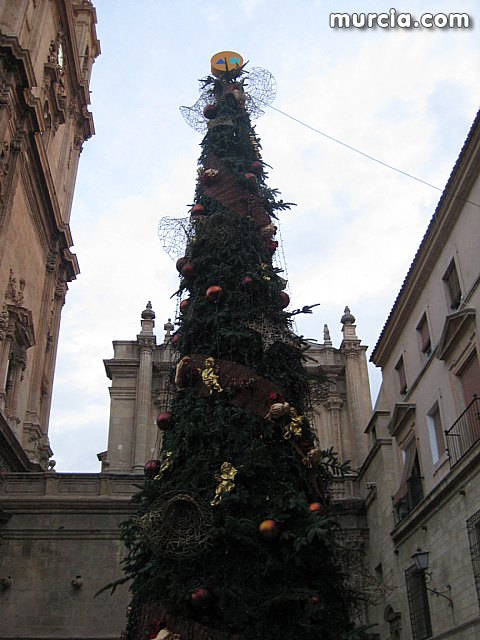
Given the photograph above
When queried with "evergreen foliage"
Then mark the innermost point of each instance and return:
(290, 586)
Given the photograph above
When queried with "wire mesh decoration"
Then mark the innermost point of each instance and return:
(270, 333)
(174, 234)
(261, 89)
(353, 564)
(178, 525)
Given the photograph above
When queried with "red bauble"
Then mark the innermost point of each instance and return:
(181, 262)
(188, 270)
(272, 246)
(275, 397)
(210, 111)
(257, 167)
(315, 506)
(268, 529)
(164, 420)
(175, 339)
(151, 468)
(214, 293)
(247, 281)
(184, 305)
(284, 299)
(199, 598)
(197, 210)
(315, 599)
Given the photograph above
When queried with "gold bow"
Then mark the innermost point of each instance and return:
(226, 485)
(294, 428)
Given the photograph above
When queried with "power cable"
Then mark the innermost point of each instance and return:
(370, 157)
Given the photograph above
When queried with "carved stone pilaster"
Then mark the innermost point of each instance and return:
(351, 349)
(146, 344)
(334, 403)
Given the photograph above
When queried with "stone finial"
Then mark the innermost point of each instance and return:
(326, 336)
(148, 313)
(148, 320)
(348, 321)
(347, 317)
(169, 327)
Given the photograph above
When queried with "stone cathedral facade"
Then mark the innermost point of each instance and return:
(47, 50)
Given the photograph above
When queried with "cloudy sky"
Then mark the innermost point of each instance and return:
(404, 96)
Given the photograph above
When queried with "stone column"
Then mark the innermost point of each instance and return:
(359, 403)
(333, 404)
(46, 390)
(146, 341)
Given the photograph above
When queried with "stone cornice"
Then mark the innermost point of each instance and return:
(455, 325)
(82, 492)
(121, 367)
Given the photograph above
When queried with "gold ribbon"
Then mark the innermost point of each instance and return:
(226, 485)
(294, 428)
(166, 464)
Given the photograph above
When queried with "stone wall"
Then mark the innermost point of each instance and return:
(62, 527)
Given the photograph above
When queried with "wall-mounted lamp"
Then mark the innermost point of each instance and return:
(77, 582)
(420, 558)
(6, 583)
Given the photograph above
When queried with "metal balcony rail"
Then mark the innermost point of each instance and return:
(464, 432)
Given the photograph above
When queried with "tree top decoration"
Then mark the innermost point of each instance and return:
(256, 87)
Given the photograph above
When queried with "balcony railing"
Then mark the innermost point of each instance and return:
(464, 432)
(413, 496)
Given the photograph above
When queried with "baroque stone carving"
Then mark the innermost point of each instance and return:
(3, 322)
(14, 293)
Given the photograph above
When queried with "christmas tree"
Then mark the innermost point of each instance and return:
(234, 536)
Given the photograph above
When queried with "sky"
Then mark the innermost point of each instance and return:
(404, 96)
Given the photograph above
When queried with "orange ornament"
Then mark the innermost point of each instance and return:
(315, 506)
(268, 529)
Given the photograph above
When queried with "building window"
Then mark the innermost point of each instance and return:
(435, 433)
(400, 368)
(469, 376)
(473, 529)
(418, 604)
(452, 284)
(424, 336)
(410, 492)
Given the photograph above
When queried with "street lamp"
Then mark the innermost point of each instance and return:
(421, 559)
(421, 562)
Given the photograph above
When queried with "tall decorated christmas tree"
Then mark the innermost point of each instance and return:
(234, 536)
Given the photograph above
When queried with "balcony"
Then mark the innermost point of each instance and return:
(413, 495)
(464, 432)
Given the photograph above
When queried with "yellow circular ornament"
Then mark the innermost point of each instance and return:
(224, 62)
